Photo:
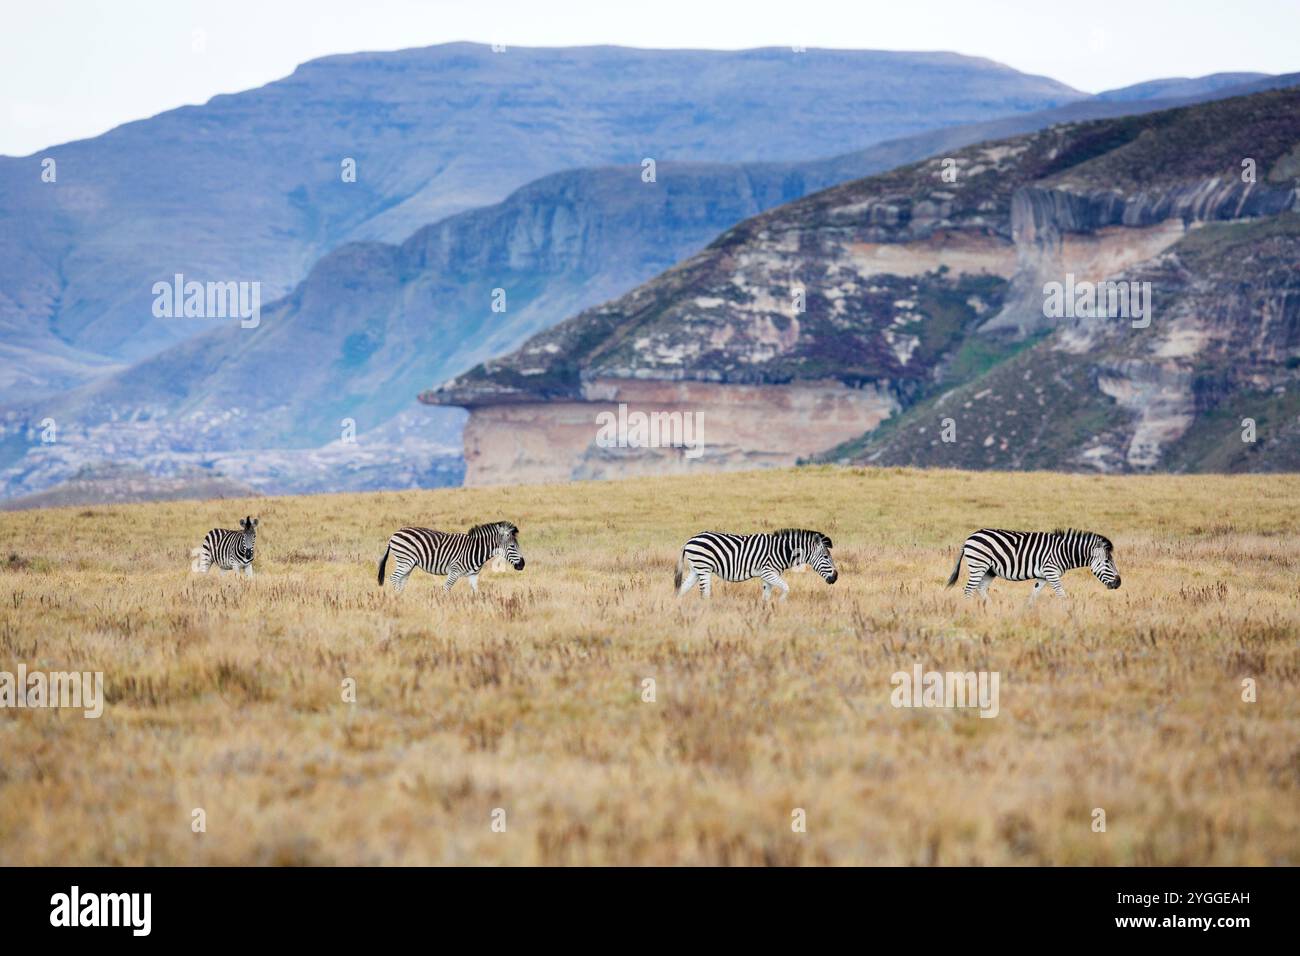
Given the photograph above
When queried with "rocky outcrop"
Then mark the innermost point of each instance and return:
(926, 286)
(1096, 234)
(704, 427)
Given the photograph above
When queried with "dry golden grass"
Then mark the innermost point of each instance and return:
(225, 693)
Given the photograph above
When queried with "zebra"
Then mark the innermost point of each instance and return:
(455, 555)
(1042, 555)
(739, 557)
(229, 550)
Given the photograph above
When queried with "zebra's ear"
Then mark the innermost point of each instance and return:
(254, 522)
(826, 542)
(243, 523)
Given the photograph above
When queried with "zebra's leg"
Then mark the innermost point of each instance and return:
(773, 580)
(706, 583)
(985, 581)
(452, 577)
(473, 582)
(248, 569)
(976, 581)
(1053, 578)
(1038, 586)
(688, 582)
(401, 571)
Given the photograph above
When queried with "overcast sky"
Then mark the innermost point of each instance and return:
(70, 69)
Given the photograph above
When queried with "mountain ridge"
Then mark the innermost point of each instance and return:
(433, 131)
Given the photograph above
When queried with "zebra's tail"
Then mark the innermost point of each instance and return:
(383, 561)
(956, 571)
(681, 564)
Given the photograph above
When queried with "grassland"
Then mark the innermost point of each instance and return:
(225, 694)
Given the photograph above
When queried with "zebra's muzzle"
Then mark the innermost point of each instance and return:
(1114, 586)
(520, 565)
(835, 576)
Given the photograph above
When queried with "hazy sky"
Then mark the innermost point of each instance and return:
(75, 68)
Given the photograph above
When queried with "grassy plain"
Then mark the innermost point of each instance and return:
(226, 694)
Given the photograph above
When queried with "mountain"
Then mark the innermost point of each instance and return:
(926, 300)
(1177, 87)
(373, 323)
(378, 320)
(1126, 101)
(250, 187)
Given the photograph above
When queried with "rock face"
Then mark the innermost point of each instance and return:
(1222, 351)
(691, 426)
(926, 288)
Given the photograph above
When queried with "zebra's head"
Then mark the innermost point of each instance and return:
(249, 536)
(1101, 560)
(509, 546)
(820, 558)
(812, 548)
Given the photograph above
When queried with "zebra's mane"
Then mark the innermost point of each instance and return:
(496, 527)
(1100, 539)
(800, 532)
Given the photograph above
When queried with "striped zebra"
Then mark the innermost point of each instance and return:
(455, 555)
(739, 557)
(1041, 555)
(229, 550)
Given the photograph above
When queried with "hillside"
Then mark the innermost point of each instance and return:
(228, 694)
(249, 186)
(1106, 396)
(120, 484)
(379, 320)
(915, 286)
